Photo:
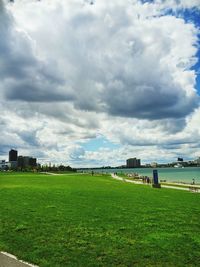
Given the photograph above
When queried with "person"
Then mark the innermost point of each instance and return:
(193, 181)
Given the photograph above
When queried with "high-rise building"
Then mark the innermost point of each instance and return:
(12, 155)
(13, 158)
(133, 163)
(138, 163)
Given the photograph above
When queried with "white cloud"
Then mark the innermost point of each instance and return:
(71, 70)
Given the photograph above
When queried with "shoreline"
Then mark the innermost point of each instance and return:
(164, 181)
(183, 184)
(171, 175)
(179, 186)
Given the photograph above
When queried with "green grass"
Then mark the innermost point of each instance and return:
(84, 220)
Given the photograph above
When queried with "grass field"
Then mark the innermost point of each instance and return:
(83, 220)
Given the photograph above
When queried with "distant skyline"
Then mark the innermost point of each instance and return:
(95, 84)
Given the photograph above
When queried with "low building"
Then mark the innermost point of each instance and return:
(25, 162)
(4, 165)
(13, 164)
(33, 162)
(154, 164)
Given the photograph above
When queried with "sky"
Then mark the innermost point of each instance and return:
(92, 83)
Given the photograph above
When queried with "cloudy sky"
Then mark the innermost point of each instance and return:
(92, 83)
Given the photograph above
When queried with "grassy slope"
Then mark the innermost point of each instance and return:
(82, 220)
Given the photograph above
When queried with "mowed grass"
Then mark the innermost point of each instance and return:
(83, 220)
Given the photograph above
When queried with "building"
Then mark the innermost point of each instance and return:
(24, 162)
(133, 163)
(4, 165)
(13, 158)
(180, 159)
(33, 162)
(12, 155)
(21, 162)
(154, 164)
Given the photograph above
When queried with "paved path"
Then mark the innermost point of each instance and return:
(114, 176)
(8, 260)
(51, 173)
(124, 180)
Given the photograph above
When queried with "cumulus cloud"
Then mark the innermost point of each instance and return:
(107, 60)
(75, 69)
(25, 76)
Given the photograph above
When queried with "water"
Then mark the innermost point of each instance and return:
(182, 175)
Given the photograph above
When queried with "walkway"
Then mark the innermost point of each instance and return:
(8, 260)
(50, 173)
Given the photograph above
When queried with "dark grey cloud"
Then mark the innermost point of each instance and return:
(16, 55)
(29, 137)
(171, 126)
(4, 150)
(35, 93)
(150, 102)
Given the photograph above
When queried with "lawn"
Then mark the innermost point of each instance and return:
(83, 220)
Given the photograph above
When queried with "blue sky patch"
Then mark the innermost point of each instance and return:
(97, 143)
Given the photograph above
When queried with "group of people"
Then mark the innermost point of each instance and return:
(146, 180)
